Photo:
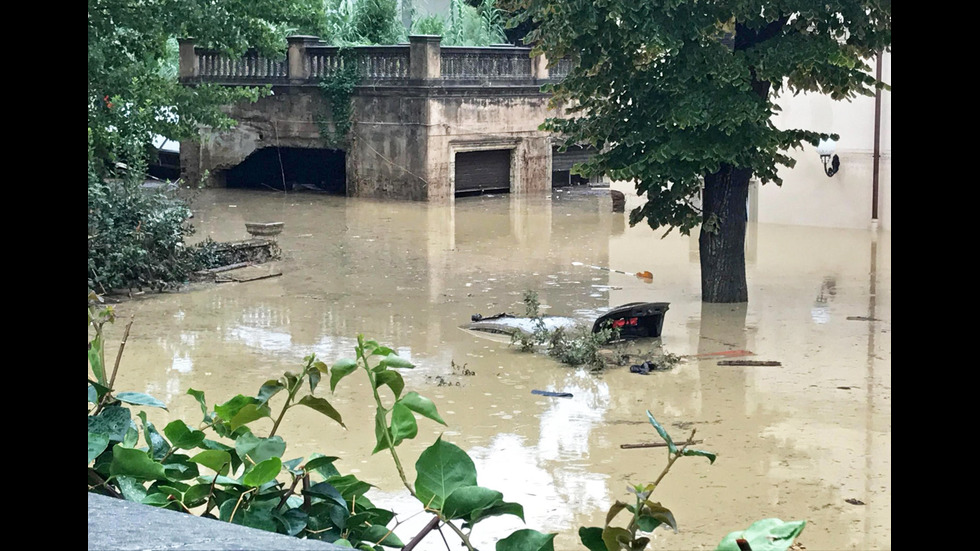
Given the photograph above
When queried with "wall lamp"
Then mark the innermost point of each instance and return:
(831, 162)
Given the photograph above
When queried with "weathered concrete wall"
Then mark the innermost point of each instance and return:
(474, 119)
(389, 145)
(288, 118)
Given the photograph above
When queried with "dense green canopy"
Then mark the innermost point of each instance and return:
(680, 94)
(132, 86)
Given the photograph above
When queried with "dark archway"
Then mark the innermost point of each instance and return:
(291, 167)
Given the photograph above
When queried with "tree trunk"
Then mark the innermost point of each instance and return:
(722, 243)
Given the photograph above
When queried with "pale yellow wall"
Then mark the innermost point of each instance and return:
(808, 197)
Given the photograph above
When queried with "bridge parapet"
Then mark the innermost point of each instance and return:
(309, 60)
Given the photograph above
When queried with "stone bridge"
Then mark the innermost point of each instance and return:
(430, 122)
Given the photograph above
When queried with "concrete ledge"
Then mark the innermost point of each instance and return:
(117, 524)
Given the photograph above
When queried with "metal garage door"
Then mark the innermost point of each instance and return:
(480, 171)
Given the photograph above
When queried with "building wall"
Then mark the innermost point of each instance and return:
(807, 196)
(470, 122)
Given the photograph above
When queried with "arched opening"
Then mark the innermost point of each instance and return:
(290, 168)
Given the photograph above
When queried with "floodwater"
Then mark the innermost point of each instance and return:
(809, 439)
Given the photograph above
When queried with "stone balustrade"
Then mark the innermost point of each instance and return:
(308, 60)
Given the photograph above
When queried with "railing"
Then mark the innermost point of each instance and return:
(308, 60)
(373, 62)
(491, 63)
(216, 66)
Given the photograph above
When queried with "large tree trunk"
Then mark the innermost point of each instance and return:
(722, 244)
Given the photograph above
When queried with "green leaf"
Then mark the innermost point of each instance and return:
(403, 424)
(421, 405)
(592, 538)
(269, 389)
(216, 460)
(293, 521)
(95, 360)
(323, 406)
(659, 513)
(467, 501)
(614, 510)
(662, 432)
(93, 394)
(393, 379)
(140, 399)
(197, 495)
(247, 414)
(442, 468)
(527, 540)
(322, 465)
(97, 443)
(340, 370)
(136, 464)
(770, 534)
(199, 396)
(711, 457)
(379, 535)
(396, 361)
(259, 449)
(327, 491)
(131, 489)
(349, 486)
(615, 538)
(180, 467)
(382, 434)
(112, 421)
(181, 436)
(263, 472)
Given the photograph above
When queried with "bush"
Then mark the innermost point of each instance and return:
(136, 236)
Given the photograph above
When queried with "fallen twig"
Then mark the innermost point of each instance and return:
(747, 362)
(657, 444)
(244, 279)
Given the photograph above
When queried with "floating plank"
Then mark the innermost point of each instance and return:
(723, 354)
(657, 444)
(747, 362)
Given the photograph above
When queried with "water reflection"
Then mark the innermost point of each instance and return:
(794, 441)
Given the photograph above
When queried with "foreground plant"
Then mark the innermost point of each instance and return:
(446, 481)
(234, 476)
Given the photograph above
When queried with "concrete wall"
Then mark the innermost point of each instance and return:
(808, 197)
(462, 121)
(285, 119)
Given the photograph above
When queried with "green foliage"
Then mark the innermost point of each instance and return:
(136, 237)
(647, 515)
(679, 97)
(338, 90)
(671, 102)
(467, 25)
(237, 475)
(770, 534)
(377, 22)
(434, 25)
(575, 347)
(224, 468)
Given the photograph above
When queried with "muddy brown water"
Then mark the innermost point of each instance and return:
(804, 440)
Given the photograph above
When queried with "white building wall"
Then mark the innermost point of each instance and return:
(807, 196)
